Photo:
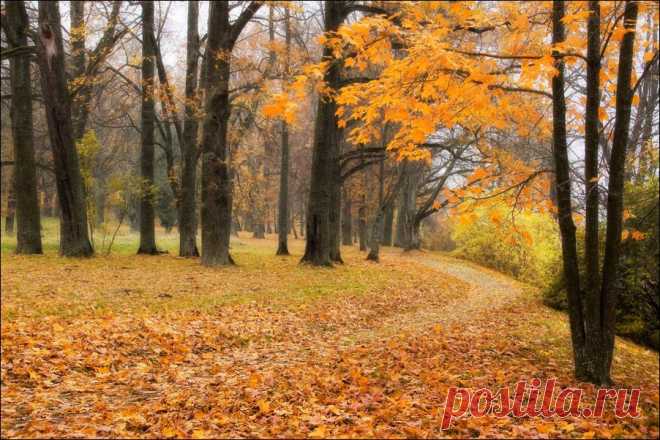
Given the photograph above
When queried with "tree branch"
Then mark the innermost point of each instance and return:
(242, 21)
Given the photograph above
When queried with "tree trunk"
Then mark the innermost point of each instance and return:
(10, 215)
(407, 236)
(216, 176)
(615, 193)
(147, 216)
(362, 226)
(565, 210)
(259, 227)
(303, 223)
(216, 184)
(387, 227)
(376, 236)
(347, 220)
(319, 243)
(335, 214)
(591, 259)
(283, 200)
(28, 236)
(74, 238)
(79, 109)
(415, 236)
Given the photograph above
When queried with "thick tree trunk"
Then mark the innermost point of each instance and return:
(319, 242)
(216, 183)
(216, 175)
(376, 236)
(615, 193)
(74, 238)
(28, 230)
(407, 236)
(347, 219)
(147, 216)
(565, 210)
(415, 236)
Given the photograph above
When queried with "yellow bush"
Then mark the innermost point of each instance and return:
(523, 244)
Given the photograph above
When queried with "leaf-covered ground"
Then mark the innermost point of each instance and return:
(136, 346)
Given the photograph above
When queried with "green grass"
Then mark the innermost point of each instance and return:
(123, 282)
(126, 242)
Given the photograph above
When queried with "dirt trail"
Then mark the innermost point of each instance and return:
(488, 291)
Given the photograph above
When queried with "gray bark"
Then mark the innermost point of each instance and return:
(187, 211)
(147, 216)
(28, 221)
(74, 238)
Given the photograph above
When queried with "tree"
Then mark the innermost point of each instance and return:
(28, 229)
(592, 311)
(187, 211)
(283, 199)
(86, 67)
(624, 95)
(216, 178)
(74, 238)
(147, 215)
(318, 244)
(347, 218)
(385, 200)
(387, 225)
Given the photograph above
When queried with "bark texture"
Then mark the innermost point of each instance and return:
(609, 292)
(216, 176)
(74, 238)
(563, 190)
(147, 215)
(28, 221)
(347, 219)
(187, 211)
(319, 243)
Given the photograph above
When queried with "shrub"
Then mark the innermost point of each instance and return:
(525, 246)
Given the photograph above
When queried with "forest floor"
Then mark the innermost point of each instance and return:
(158, 346)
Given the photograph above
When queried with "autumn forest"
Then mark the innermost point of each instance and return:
(417, 219)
